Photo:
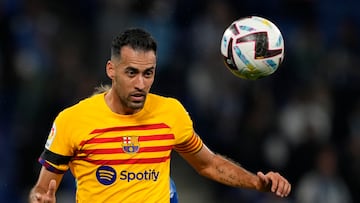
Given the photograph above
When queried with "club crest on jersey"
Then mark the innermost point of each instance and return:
(130, 144)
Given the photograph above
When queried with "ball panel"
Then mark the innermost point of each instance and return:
(229, 59)
(252, 47)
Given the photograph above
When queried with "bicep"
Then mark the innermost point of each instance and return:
(200, 160)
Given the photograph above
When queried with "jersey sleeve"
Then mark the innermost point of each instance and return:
(186, 139)
(191, 145)
(58, 148)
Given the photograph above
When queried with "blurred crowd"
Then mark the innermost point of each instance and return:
(303, 121)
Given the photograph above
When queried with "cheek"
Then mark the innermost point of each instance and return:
(123, 83)
(118, 83)
(149, 82)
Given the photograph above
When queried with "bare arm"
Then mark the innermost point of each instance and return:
(223, 170)
(46, 187)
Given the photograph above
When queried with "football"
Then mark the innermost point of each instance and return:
(252, 47)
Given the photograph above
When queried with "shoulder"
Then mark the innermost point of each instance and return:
(163, 101)
(160, 98)
(82, 106)
(167, 107)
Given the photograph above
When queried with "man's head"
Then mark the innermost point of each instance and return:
(135, 38)
(131, 69)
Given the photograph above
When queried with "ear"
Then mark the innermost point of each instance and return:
(110, 69)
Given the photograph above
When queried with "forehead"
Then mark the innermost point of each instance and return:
(137, 58)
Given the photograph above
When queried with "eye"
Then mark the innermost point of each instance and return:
(149, 73)
(131, 72)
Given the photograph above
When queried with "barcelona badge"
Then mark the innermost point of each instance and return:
(130, 144)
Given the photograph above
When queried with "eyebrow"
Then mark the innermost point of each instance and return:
(134, 68)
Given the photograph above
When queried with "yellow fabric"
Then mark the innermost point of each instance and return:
(122, 158)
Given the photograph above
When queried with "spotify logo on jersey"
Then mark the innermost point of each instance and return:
(106, 175)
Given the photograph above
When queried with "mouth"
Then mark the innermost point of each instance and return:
(138, 97)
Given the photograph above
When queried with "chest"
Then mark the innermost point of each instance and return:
(128, 139)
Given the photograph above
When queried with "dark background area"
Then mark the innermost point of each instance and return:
(303, 121)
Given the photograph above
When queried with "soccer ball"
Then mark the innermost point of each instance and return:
(252, 47)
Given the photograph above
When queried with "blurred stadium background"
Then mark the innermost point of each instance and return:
(303, 121)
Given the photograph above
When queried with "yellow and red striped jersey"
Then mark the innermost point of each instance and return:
(120, 158)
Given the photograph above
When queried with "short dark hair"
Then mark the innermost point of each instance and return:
(136, 38)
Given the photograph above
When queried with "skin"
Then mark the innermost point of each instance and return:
(132, 77)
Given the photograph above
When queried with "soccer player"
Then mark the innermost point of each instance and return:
(117, 144)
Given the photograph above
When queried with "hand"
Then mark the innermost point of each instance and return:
(48, 197)
(274, 182)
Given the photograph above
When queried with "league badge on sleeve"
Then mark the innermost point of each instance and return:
(51, 136)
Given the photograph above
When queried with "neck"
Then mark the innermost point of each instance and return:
(115, 105)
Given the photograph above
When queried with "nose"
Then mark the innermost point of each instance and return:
(140, 82)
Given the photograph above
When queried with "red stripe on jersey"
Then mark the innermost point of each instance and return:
(101, 140)
(127, 161)
(120, 150)
(157, 137)
(155, 149)
(120, 139)
(127, 128)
